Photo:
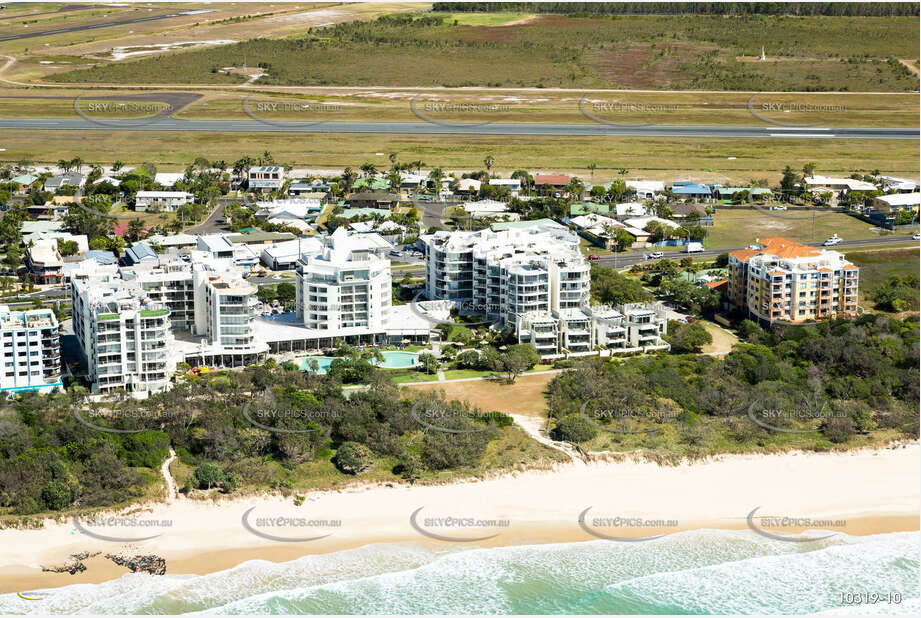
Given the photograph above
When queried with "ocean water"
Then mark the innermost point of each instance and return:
(694, 572)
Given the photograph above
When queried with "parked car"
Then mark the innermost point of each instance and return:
(832, 241)
(656, 255)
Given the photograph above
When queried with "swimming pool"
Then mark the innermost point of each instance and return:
(392, 360)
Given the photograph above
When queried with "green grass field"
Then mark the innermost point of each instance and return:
(877, 266)
(739, 228)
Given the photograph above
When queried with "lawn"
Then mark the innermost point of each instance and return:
(739, 228)
(482, 19)
(415, 376)
(877, 266)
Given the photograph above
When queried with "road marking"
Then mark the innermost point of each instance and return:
(800, 129)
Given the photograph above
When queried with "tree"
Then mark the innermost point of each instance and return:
(68, 247)
(428, 363)
(574, 428)
(591, 168)
(207, 475)
(286, 291)
(488, 162)
(516, 360)
(689, 338)
(265, 294)
(368, 169)
(353, 458)
(575, 188)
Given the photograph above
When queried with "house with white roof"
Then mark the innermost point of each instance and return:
(513, 184)
(642, 222)
(168, 179)
(630, 209)
(489, 208)
(898, 201)
(646, 189)
(164, 201)
(818, 183)
(900, 185)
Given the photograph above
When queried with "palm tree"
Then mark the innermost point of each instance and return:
(393, 157)
(394, 179)
(575, 188)
(435, 176)
(488, 161)
(591, 167)
(368, 168)
(348, 179)
(64, 165)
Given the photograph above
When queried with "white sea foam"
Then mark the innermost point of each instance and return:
(695, 571)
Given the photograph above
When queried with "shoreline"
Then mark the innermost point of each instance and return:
(536, 507)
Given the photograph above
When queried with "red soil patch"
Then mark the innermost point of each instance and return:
(639, 65)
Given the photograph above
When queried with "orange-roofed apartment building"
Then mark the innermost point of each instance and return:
(780, 280)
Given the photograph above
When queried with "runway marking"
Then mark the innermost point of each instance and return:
(801, 135)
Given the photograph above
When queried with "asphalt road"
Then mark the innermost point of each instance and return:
(162, 123)
(636, 256)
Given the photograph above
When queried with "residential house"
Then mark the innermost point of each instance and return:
(70, 179)
(513, 184)
(266, 178)
(691, 191)
(646, 189)
(141, 253)
(161, 201)
(374, 199)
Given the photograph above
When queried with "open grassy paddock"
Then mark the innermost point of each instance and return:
(647, 158)
(876, 266)
(738, 228)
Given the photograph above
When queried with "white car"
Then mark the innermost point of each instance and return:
(656, 255)
(778, 208)
(831, 242)
(916, 237)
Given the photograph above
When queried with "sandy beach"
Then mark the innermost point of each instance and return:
(856, 493)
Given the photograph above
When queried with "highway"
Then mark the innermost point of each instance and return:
(589, 129)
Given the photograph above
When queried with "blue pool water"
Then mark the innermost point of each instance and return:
(392, 360)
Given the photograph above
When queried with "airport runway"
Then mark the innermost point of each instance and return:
(427, 128)
(109, 24)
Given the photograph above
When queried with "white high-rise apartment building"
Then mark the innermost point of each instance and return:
(508, 273)
(535, 278)
(125, 336)
(30, 341)
(344, 289)
(213, 306)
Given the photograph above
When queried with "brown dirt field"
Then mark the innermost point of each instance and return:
(525, 396)
(722, 340)
(636, 66)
